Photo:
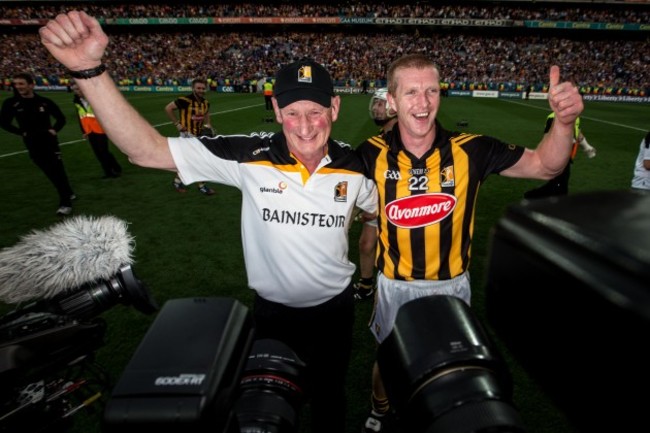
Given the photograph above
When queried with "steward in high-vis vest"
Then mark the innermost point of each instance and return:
(93, 131)
(268, 99)
(268, 93)
(559, 185)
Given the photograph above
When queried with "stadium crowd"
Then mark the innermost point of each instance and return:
(468, 58)
(621, 13)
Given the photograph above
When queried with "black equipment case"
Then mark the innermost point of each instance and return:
(184, 374)
(568, 292)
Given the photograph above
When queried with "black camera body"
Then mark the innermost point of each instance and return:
(200, 369)
(44, 360)
(568, 292)
(47, 363)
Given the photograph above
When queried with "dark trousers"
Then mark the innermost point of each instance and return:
(321, 336)
(51, 163)
(99, 144)
(559, 185)
(268, 102)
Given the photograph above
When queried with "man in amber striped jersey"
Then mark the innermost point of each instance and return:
(193, 119)
(428, 180)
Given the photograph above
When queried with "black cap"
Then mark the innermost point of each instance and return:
(303, 80)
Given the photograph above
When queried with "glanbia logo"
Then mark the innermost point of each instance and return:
(420, 210)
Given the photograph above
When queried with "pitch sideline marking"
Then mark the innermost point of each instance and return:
(20, 152)
(607, 122)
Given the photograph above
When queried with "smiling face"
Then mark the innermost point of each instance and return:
(24, 88)
(307, 127)
(416, 99)
(199, 88)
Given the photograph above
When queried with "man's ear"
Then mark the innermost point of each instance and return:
(336, 106)
(276, 109)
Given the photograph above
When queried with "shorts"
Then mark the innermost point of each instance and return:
(372, 223)
(392, 294)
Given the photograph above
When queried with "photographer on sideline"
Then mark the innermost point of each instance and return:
(299, 190)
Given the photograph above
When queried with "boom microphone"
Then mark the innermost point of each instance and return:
(70, 254)
(70, 274)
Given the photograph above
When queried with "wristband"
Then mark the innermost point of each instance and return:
(88, 73)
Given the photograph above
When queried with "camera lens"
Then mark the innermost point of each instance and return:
(442, 373)
(271, 392)
(93, 299)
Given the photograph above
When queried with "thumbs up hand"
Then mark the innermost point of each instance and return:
(564, 98)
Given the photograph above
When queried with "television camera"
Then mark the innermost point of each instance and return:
(58, 281)
(199, 367)
(567, 292)
(48, 369)
(441, 371)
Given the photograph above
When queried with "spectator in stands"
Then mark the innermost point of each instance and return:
(499, 60)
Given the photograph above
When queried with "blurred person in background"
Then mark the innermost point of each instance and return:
(641, 179)
(267, 91)
(33, 114)
(384, 117)
(559, 185)
(193, 120)
(93, 132)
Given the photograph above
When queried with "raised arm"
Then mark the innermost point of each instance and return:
(553, 152)
(78, 42)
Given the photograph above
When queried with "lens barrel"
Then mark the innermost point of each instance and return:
(271, 390)
(93, 299)
(443, 374)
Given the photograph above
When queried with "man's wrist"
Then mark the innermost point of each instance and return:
(84, 74)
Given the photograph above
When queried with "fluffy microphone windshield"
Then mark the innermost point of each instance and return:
(79, 250)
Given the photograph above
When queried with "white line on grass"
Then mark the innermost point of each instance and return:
(20, 152)
(607, 122)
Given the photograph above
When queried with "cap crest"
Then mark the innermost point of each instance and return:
(305, 80)
(304, 74)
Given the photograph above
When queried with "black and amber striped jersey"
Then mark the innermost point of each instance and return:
(192, 112)
(427, 204)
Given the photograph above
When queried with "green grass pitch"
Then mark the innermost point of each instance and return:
(189, 244)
